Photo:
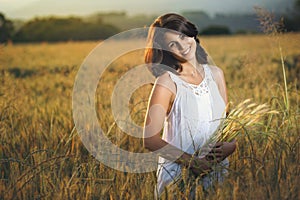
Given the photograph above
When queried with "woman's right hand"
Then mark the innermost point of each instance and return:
(217, 154)
(221, 150)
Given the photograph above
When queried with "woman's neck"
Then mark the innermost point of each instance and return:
(188, 67)
(193, 71)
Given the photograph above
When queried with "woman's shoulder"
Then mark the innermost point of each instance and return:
(216, 71)
(164, 78)
(165, 81)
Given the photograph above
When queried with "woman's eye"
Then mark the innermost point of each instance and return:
(171, 45)
(182, 36)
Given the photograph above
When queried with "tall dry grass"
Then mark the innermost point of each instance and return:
(42, 157)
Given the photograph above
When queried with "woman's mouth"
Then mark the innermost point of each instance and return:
(186, 51)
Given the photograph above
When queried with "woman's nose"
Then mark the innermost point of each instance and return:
(179, 45)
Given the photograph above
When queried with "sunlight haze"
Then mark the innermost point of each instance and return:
(33, 8)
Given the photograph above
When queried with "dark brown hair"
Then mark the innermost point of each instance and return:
(158, 58)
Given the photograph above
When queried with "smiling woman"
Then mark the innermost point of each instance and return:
(187, 101)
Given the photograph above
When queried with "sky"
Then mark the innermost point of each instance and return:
(32, 8)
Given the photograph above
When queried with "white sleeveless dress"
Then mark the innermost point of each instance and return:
(194, 117)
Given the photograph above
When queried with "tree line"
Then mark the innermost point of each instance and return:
(104, 25)
(53, 29)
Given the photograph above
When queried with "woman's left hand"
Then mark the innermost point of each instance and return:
(221, 150)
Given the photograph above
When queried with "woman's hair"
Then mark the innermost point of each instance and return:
(157, 56)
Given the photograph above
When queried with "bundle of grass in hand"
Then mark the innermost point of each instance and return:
(244, 115)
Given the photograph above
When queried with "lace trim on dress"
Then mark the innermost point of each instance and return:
(198, 90)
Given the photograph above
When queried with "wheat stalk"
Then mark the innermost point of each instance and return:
(244, 115)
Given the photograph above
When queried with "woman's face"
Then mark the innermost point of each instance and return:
(181, 45)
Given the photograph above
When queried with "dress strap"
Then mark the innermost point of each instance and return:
(208, 73)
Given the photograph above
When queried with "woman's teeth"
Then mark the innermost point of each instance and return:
(186, 51)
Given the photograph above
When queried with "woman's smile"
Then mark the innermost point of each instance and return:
(186, 51)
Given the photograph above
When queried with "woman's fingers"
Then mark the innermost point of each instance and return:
(217, 150)
(216, 154)
(216, 145)
(213, 156)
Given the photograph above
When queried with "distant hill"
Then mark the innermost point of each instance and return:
(104, 24)
(122, 20)
(235, 22)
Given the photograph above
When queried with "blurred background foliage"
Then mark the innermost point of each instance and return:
(100, 26)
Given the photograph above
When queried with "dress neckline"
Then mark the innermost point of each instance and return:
(192, 84)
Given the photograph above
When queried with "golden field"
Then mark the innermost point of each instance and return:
(42, 156)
